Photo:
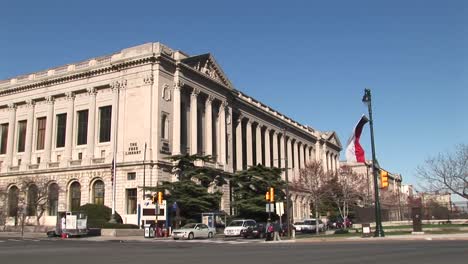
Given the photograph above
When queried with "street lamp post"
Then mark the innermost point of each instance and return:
(287, 191)
(379, 232)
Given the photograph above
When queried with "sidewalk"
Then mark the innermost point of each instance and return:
(460, 236)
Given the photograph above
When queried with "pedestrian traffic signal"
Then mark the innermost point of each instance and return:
(383, 179)
(160, 197)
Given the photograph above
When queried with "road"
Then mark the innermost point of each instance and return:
(71, 251)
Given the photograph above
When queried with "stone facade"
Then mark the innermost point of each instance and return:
(137, 107)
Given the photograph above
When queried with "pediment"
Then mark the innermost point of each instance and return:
(333, 139)
(207, 65)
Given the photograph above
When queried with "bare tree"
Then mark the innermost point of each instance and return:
(346, 188)
(313, 180)
(447, 171)
(31, 200)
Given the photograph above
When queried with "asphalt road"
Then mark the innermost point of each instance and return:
(38, 251)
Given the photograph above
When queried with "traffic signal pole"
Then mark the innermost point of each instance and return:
(379, 232)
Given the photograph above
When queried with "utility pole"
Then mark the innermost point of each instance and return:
(379, 232)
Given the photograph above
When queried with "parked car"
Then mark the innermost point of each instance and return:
(298, 226)
(256, 231)
(236, 227)
(193, 230)
(310, 225)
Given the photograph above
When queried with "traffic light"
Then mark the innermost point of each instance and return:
(153, 198)
(383, 179)
(270, 195)
(160, 197)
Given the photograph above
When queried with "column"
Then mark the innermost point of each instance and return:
(69, 129)
(193, 122)
(337, 162)
(290, 158)
(29, 133)
(307, 154)
(49, 132)
(275, 150)
(267, 147)
(239, 158)
(324, 157)
(11, 134)
(301, 155)
(91, 123)
(248, 137)
(209, 125)
(283, 148)
(296, 159)
(258, 139)
(317, 151)
(176, 133)
(222, 132)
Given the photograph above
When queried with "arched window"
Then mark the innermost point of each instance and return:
(164, 127)
(53, 194)
(32, 200)
(13, 193)
(98, 192)
(75, 196)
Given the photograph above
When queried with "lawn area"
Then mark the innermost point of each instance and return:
(448, 226)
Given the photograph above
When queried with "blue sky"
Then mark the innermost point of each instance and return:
(311, 60)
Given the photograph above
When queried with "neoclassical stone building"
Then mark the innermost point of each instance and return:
(141, 105)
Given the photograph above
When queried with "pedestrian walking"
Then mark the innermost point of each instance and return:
(277, 230)
(269, 232)
(63, 226)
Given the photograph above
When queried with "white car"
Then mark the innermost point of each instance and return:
(311, 224)
(298, 226)
(193, 230)
(236, 227)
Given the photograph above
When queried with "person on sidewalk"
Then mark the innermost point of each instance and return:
(277, 230)
(269, 231)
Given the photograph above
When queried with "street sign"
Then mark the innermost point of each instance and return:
(270, 208)
(279, 208)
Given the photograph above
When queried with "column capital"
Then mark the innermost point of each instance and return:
(91, 91)
(118, 84)
(148, 79)
(11, 106)
(69, 96)
(49, 99)
(178, 84)
(224, 104)
(209, 99)
(195, 92)
(30, 103)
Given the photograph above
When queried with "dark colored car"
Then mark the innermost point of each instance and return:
(256, 231)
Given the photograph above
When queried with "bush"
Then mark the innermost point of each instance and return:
(341, 231)
(99, 215)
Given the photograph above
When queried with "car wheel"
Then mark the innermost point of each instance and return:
(190, 236)
(210, 235)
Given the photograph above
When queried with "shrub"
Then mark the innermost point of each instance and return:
(98, 215)
(341, 231)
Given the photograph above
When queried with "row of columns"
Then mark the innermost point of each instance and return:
(48, 140)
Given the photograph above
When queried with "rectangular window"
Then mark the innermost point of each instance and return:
(131, 201)
(61, 130)
(105, 116)
(3, 138)
(82, 127)
(21, 135)
(41, 127)
(131, 176)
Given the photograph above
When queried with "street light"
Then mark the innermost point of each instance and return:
(379, 232)
(287, 191)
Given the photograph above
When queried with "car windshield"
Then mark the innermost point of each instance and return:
(236, 223)
(310, 222)
(192, 225)
(299, 223)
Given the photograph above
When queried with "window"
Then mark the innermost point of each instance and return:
(164, 127)
(41, 127)
(32, 200)
(75, 196)
(98, 192)
(82, 127)
(131, 201)
(61, 130)
(13, 201)
(80, 155)
(38, 160)
(53, 195)
(105, 116)
(21, 135)
(3, 138)
(131, 176)
(19, 162)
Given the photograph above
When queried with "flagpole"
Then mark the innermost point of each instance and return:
(379, 232)
(114, 163)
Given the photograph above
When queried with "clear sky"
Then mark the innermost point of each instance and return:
(310, 60)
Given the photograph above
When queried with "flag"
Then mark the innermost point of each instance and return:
(354, 151)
